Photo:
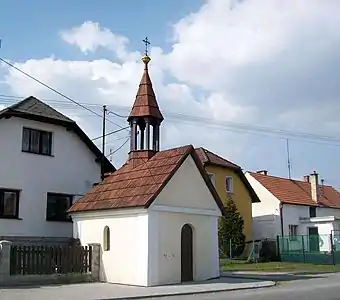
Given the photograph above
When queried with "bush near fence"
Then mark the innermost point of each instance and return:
(40, 260)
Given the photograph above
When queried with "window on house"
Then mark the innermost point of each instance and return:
(312, 212)
(57, 207)
(106, 239)
(229, 184)
(36, 141)
(212, 178)
(9, 204)
(293, 232)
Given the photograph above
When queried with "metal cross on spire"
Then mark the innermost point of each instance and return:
(147, 43)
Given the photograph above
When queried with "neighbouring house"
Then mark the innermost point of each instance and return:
(46, 163)
(230, 183)
(294, 208)
(156, 218)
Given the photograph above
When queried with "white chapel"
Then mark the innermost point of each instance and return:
(156, 218)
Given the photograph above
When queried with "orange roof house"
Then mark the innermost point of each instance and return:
(156, 217)
(297, 207)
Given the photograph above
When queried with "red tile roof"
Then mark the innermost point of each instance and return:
(298, 192)
(145, 104)
(139, 186)
(209, 158)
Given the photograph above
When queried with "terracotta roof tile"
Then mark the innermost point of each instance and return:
(291, 191)
(208, 157)
(138, 186)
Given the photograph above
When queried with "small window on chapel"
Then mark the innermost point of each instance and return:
(106, 238)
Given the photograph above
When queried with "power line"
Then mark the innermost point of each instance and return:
(54, 90)
(110, 133)
(227, 125)
(120, 147)
(117, 115)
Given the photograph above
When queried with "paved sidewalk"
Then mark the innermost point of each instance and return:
(105, 291)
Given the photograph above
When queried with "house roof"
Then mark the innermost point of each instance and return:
(139, 186)
(145, 104)
(298, 192)
(33, 109)
(209, 158)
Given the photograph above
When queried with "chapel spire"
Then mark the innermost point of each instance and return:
(145, 114)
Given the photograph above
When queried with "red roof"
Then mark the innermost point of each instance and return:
(139, 186)
(298, 192)
(208, 157)
(145, 104)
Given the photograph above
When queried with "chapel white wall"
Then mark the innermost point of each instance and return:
(166, 246)
(127, 260)
(72, 170)
(185, 200)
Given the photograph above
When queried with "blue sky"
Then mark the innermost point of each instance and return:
(31, 31)
(262, 63)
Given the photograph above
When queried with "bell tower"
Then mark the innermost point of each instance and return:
(145, 118)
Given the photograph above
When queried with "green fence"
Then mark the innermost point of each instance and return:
(318, 249)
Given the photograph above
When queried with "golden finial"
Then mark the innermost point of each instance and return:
(146, 58)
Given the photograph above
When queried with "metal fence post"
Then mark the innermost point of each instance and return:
(5, 259)
(303, 249)
(332, 249)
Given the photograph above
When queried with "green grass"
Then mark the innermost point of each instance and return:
(240, 265)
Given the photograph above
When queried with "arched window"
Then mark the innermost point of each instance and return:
(106, 238)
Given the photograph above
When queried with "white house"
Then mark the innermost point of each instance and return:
(46, 162)
(295, 208)
(156, 218)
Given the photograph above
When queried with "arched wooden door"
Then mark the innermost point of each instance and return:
(187, 253)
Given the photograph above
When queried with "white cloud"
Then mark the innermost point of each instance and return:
(260, 62)
(90, 36)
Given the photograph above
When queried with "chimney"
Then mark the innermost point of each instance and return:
(263, 172)
(306, 178)
(314, 185)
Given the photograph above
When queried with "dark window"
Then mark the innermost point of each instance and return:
(229, 184)
(9, 204)
(293, 229)
(106, 238)
(57, 207)
(312, 212)
(37, 141)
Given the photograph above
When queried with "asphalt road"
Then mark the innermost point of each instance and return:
(309, 289)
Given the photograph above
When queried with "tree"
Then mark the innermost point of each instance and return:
(230, 230)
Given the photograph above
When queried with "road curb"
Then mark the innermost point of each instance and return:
(258, 285)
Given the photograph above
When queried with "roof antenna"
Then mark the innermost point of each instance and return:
(288, 160)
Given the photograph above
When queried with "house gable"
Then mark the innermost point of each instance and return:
(212, 161)
(187, 192)
(33, 109)
(269, 204)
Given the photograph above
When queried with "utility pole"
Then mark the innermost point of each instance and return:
(103, 141)
(288, 160)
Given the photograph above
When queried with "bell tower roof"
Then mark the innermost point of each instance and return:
(146, 104)
(145, 118)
